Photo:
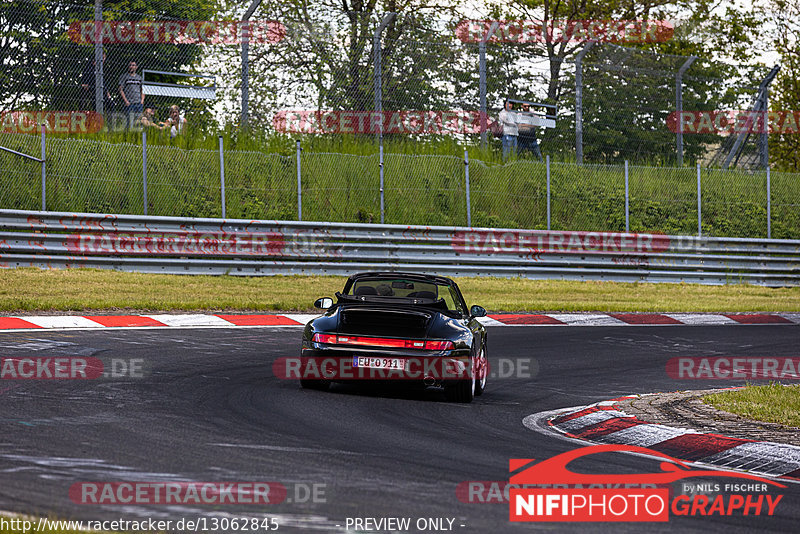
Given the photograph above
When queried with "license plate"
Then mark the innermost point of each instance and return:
(375, 362)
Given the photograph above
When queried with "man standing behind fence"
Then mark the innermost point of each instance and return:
(510, 129)
(130, 88)
(527, 137)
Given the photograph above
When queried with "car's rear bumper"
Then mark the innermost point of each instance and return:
(348, 365)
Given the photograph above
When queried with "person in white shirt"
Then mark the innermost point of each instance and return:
(175, 122)
(510, 129)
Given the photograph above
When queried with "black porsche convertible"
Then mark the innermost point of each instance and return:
(397, 326)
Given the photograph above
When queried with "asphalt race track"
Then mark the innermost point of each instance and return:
(208, 408)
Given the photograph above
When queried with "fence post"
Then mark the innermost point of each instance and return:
(246, 64)
(376, 50)
(466, 182)
(144, 168)
(222, 175)
(44, 174)
(482, 79)
(679, 105)
(99, 86)
(299, 185)
(579, 102)
(699, 206)
(763, 138)
(769, 206)
(627, 201)
(548, 190)
(380, 166)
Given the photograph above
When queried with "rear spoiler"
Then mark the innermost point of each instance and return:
(394, 302)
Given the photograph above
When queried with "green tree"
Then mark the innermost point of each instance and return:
(629, 92)
(43, 67)
(324, 59)
(784, 146)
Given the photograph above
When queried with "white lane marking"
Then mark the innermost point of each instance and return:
(74, 322)
(290, 449)
(587, 319)
(794, 317)
(37, 344)
(645, 435)
(761, 457)
(302, 318)
(61, 321)
(701, 318)
(190, 320)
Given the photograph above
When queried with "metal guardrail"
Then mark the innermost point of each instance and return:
(241, 247)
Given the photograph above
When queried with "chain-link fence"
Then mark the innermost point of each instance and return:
(614, 103)
(93, 176)
(437, 92)
(55, 52)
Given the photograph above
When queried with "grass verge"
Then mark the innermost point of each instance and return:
(91, 290)
(773, 403)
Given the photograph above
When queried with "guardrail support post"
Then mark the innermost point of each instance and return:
(299, 185)
(466, 185)
(699, 206)
(222, 175)
(627, 201)
(769, 206)
(380, 167)
(547, 160)
(144, 168)
(44, 174)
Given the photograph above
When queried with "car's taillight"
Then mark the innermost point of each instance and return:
(383, 342)
(439, 345)
(324, 338)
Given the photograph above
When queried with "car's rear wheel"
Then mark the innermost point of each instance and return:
(321, 385)
(482, 369)
(462, 390)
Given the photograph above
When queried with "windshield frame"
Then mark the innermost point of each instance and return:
(442, 282)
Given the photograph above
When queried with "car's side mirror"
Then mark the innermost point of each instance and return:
(323, 303)
(477, 311)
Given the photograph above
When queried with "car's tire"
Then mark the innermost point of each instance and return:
(462, 390)
(483, 371)
(321, 385)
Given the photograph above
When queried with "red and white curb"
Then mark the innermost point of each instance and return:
(605, 423)
(89, 322)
